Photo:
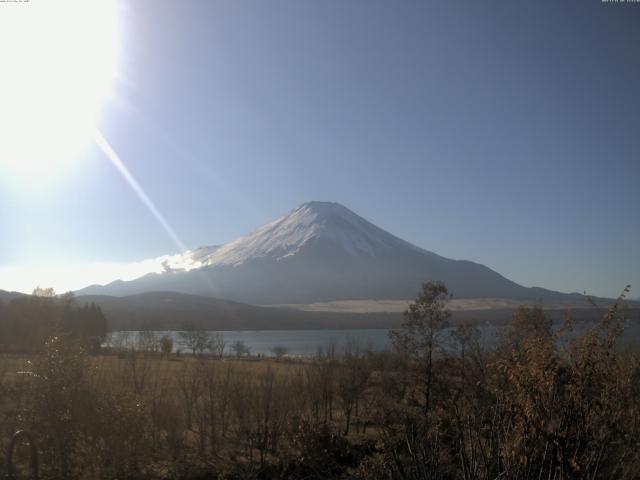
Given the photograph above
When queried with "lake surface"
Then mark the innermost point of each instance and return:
(307, 342)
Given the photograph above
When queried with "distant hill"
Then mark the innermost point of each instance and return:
(320, 252)
(176, 311)
(6, 296)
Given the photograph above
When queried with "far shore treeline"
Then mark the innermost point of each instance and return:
(28, 321)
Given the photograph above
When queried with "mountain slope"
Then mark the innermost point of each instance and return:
(319, 252)
(7, 296)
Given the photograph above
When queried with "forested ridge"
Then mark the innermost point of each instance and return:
(26, 322)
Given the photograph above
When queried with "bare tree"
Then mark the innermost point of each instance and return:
(195, 340)
(240, 348)
(279, 351)
(217, 344)
(44, 292)
(191, 388)
(323, 378)
(166, 345)
(121, 340)
(353, 375)
(147, 341)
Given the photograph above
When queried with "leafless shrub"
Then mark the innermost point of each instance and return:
(279, 351)
(240, 348)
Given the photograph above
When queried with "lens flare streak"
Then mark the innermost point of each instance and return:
(113, 157)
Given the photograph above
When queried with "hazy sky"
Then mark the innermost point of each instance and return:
(507, 133)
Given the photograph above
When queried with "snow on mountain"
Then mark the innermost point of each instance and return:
(287, 235)
(320, 251)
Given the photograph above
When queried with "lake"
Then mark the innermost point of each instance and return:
(307, 342)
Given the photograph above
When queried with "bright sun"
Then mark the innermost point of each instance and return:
(59, 60)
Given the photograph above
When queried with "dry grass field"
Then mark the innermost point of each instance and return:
(456, 304)
(532, 406)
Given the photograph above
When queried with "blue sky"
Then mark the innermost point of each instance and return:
(506, 133)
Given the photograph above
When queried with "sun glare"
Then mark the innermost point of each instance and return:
(59, 60)
(68, 277)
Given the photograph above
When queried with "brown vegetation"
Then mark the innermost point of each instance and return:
(537, 406)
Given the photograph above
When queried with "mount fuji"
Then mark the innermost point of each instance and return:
(320, 251)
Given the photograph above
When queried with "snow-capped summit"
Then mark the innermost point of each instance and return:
(334, 222)
(320, 251)
(286, 236)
